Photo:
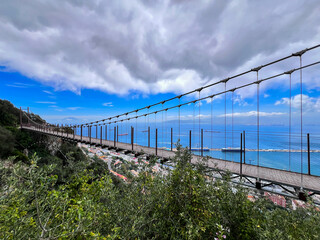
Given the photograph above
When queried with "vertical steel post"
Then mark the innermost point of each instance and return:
(240, 155)
(244, 147)
(74, 130)
(308, 142)
(132, 132)
(97, 131)
(81, 133)
(149, 136)
(201, 142)
(114, 136)
(101, 135)
(171, 138)
(156, 141)
(190, 140)
(90, 133)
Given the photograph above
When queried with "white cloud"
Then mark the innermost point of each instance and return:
(108, 104)
(19, 85)
(15, 86)
(240, 101)
(73, 108)
(151, 46)
(252, 114)
(45, 102)
(308, 103)
(48, 92)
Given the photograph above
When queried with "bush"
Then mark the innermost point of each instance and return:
(7, 142)
(184, 204)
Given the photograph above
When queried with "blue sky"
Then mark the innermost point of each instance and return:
(80, 61)
(59, 106)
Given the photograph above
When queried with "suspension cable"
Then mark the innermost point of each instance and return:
(149, 132)
(179, 120)
(127, 133)
(242, 86)
(166, 131)
(146, 132)
(199, 103)
(232, 121)
(136, 130)
(221, 81)
(290, 103)
(211, 135)
(155, 118)
(301, 138)
(162, 129)
(258, 124)
(194, 116)
(225, 120)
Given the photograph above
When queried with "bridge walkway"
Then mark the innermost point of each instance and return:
(293, 179)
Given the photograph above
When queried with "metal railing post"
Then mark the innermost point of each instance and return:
(240, 155)
(171, 138)
(244, 147)
(101, 135)
(132, 132)
(81, 133)
(114, 136)
(156, 141)
(149, 136)
(309, 165)
(190, 140)
(201, 142)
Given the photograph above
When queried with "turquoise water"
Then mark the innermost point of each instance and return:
(270, 137)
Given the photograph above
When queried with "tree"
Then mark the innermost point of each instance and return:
(7, 142)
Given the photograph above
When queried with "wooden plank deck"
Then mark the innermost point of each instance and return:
(307, 182)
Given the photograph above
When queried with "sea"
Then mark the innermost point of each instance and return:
(271, 146)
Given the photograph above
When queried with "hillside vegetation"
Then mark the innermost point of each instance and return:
(63, 195)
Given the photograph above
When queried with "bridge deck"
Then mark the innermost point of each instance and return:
(308, 182)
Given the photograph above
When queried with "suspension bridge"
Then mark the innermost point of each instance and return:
(155, 128)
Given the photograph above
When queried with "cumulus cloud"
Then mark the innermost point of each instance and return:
(308, 103)
(149, 46)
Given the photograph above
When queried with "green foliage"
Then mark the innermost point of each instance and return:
(9, 115)
(6, 142)
(13, 141)
(186, 203)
